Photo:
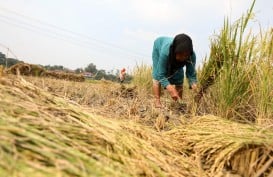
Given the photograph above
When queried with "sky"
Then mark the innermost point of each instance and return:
(113, 34)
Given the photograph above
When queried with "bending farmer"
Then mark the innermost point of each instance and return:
(169, 57)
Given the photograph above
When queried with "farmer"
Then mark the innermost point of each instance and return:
(122, 74)
(169, 57)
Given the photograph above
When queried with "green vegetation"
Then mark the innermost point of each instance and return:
(7, 62)
(239, 67)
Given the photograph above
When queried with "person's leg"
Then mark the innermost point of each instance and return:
(157, 92)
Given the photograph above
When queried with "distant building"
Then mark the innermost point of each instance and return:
(88, 74)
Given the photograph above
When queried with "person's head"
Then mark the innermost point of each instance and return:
(183, 48)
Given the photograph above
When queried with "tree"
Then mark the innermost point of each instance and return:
(100, 74)
(91, 68)
(2, 55)
(79, 70)
(7, 61)
(2, 59)
(55, 67)
(12, 61)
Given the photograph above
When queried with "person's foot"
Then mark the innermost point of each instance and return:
(158, 104)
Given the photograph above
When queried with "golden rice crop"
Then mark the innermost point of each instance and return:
(220, 144)
(45, 135)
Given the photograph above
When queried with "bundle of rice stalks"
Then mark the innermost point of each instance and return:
(222, 145)
(26, 69)
(44, 135)
(35, 70)
(64, 76)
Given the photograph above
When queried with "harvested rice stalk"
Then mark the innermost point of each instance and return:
(221, 144)
(45, 135)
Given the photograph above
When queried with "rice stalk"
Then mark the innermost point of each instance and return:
(225, 49)
(240, 67)
(262, 88)
(142, 77)
(221, 145)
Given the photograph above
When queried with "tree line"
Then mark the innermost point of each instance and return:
(90, 69)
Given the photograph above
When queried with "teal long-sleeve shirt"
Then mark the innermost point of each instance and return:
(160, 59)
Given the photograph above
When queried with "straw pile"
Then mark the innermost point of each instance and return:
(220, 144)
(26, 69)
(64, 76)
(45, 135)
(35, 70)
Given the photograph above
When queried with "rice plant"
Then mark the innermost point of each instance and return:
(240, 71)
(142, 77)
(261, 83)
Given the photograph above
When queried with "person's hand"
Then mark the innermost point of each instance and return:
(173, 92)
(194, 87)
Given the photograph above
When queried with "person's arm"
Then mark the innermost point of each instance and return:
(191, 72)
(162, 70)
(162, 75)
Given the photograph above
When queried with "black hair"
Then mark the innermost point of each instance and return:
(181, 43)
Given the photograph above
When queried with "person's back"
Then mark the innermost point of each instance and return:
(162, 45)
(161, 50)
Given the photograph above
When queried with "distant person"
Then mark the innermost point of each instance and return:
(170, 55)
(122, 74)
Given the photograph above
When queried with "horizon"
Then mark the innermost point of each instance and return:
(119, 33)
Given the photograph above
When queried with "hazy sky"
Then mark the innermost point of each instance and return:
(112, 33)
